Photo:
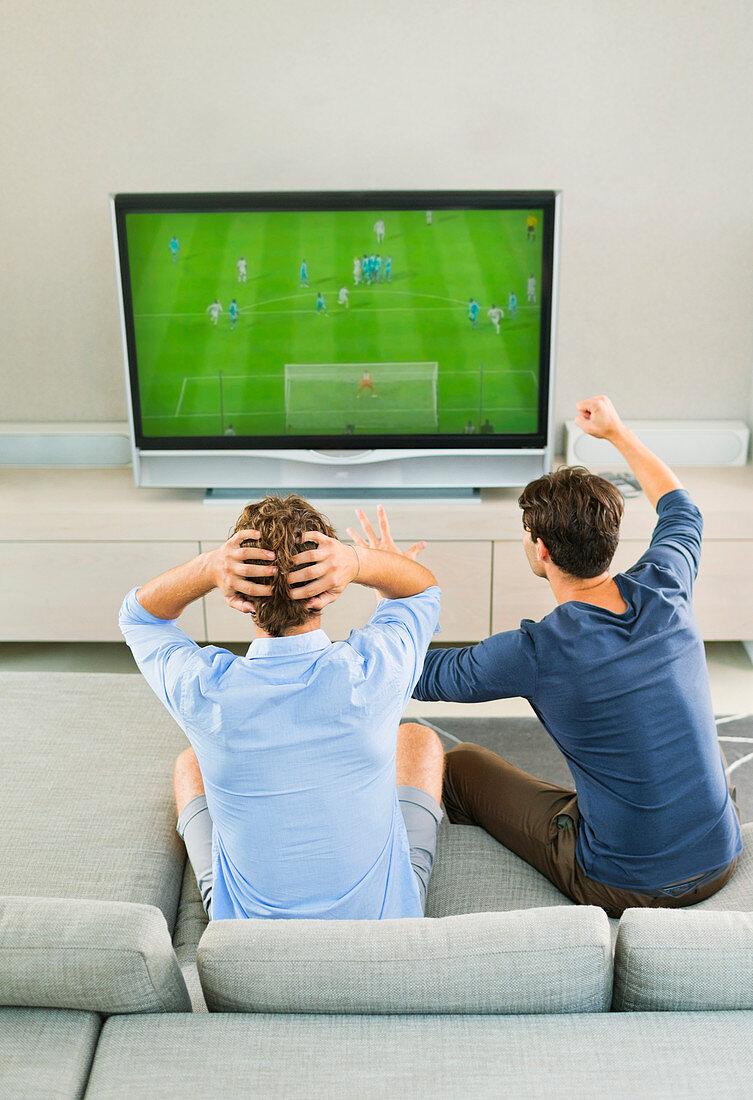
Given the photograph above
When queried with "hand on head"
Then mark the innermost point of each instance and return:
(233, 574)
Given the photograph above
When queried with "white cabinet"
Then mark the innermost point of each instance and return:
(72, 591)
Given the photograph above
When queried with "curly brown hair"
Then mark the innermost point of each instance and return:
(576, 514)
(281, 524)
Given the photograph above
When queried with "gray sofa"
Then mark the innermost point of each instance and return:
(114, 985)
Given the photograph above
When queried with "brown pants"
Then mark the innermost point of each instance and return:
(539, 822)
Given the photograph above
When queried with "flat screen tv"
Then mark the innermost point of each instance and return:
(338, 340)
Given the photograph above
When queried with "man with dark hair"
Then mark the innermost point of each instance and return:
(299, 797)
(617, 676)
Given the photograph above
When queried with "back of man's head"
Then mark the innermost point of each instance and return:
(577, 516)
(281, 524)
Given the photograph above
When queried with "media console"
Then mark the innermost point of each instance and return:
(73, 542)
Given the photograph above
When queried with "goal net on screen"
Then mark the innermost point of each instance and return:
(382, 398)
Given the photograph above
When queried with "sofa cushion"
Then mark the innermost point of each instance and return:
(473, 873)
(90, 812)
(189, 928)
(683, 960)
(540, 960)
(95, 956)
(603, 1056)
(46, 1052)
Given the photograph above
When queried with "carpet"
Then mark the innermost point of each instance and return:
(527, 745)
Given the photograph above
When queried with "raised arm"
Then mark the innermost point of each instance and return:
(598, 417)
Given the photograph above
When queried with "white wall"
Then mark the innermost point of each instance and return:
(640, 111)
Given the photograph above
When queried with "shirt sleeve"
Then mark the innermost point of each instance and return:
(399, 631)
(501, 667)
(675, 545)
(173, 665)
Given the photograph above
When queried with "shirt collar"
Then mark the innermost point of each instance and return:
(291, 645)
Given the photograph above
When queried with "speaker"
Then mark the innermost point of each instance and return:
(74, 445)
(676, 442)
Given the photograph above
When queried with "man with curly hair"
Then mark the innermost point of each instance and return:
(299, 797)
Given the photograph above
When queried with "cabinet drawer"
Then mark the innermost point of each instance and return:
(72, 591)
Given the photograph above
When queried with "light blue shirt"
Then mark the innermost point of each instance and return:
(296, 743)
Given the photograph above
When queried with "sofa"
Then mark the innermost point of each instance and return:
(113, 984)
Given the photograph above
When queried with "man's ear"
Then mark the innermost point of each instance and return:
(542, 554)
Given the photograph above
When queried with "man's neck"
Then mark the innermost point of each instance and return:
(601, 591)
(304, 628)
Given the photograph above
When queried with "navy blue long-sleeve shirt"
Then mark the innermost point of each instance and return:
(626, 699)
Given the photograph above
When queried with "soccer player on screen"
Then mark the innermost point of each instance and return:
(356, 271)
(214, 310)
(304, 277)
(532, 289)
(495, 315)
(531, 223)
(388, 269)
(512, 304)
(473, 308)
(232, 312)
(321, 305)
(366, 383)
(174, 248)
(242, 269)
(342, 297)
(429, 217)
(379, 230)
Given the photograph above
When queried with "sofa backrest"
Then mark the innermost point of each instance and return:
(97, 956)
(536, 961)
(675, 960)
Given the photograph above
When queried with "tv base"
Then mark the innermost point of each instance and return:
(240, 497)
(418, 472)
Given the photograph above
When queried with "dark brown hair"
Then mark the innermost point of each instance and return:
(577, 516)
(281, 524)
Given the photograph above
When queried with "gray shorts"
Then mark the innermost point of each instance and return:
(421, 814)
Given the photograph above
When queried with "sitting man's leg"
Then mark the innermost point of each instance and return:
(420, 766)
(539, 822)
(194, 823)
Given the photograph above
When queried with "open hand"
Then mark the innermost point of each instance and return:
(234, 577)
(385, 540)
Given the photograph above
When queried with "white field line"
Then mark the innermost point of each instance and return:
(258, 306)
(182, 395)
(732, 718)
(245, 412)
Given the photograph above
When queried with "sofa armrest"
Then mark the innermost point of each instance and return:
(97, 956)
(674, 960)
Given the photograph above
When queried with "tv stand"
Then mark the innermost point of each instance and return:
(240, 497)
(73, 542)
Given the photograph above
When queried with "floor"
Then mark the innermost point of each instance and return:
(730, 674)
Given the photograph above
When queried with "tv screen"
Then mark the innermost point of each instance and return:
(337, 319)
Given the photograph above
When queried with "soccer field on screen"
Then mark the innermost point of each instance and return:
(399, 354)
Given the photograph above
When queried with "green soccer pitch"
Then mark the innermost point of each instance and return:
(284, 368)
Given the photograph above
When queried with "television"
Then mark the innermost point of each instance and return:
(338, 341)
